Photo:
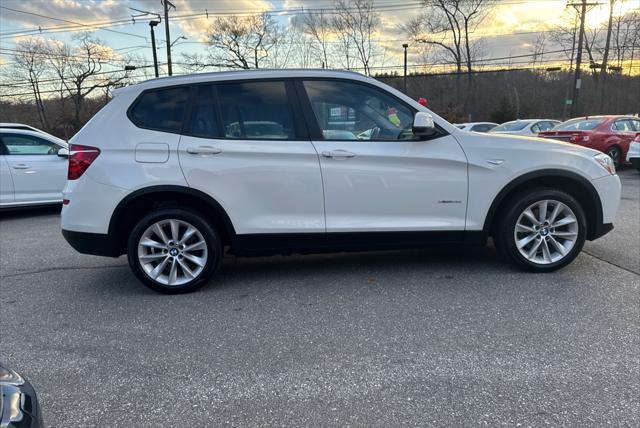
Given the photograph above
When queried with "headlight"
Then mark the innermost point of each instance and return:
(606, 162)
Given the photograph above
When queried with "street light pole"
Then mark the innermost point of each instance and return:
(405, 46)
(153, 46)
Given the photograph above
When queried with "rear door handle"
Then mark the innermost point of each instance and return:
(203, 150)
(21, 166)
(338, 154)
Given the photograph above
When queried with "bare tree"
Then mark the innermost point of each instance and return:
(539, 48)
(359, 22)
(565, 35)
(626, 38)
(448, 25)
(242, 42)
(345, 45)
(605, 55)
(317, 25)
(31, 66)
(80, 70)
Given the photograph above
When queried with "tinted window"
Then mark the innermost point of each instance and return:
(511, 126)
(579, 125)
(623, 126)
(350, 111)
(256, 111)
(161, 109)
(28, 145)
(545, 126)
(484, 127)
(203, 121)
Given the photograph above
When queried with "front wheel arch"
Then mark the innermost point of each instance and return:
(575, 185)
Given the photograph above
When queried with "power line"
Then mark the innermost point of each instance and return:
(72, 22)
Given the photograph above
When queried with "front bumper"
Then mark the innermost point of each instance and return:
(609, 191)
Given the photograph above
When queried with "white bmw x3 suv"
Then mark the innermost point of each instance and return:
(174, 172)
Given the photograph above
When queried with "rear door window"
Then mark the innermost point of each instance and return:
(623, 125)
(257, 110)
(203, 121)
(161, 109)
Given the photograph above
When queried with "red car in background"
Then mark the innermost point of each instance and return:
(609, 134)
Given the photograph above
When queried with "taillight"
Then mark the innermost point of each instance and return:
(579, 138)
(80, 158)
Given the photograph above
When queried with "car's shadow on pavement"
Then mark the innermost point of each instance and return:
(318, 270)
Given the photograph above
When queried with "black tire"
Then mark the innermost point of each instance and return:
(211, 237)
(505, 227)
(615, 153)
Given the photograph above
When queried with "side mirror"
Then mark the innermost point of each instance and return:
(423, 125)
(63, 152)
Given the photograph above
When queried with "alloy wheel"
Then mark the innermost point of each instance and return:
(546, 232)
(172, 252)
(614, 154)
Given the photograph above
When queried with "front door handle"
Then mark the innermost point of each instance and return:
(21, 166)
(338, 154)
(203, 150)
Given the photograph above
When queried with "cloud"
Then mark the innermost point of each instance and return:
(195, 24)
(51, 13)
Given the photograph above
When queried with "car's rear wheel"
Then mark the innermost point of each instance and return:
(615, 153)
(174, 250)
(542, 230)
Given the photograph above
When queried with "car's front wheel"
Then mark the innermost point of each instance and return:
(174, 250)
(542, 230)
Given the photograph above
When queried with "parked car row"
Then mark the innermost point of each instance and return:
(515, 127)
(609, 134)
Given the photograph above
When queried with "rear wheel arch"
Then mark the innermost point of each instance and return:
(141, 202)
(575, 185)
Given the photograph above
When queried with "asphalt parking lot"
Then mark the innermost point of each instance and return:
(381, 339)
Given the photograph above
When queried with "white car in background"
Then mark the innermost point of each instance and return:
(525, 127)
(633, 154)
(476, 126)
(33, 167)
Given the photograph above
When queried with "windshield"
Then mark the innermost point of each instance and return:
(516, 125)
(579, 125)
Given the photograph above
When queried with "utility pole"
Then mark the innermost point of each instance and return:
(577, 81)
(167, 4)
(153, 45)
(405, 46)
(605, 57)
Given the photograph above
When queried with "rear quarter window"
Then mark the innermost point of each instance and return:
(160, 109)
